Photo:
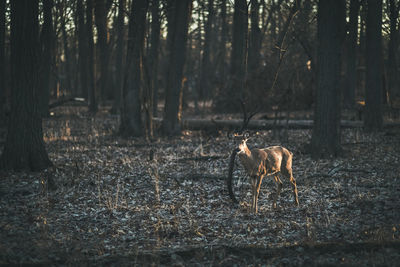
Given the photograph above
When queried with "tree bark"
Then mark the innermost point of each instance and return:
(394, 87)
(24, 148)
(373, 96)
(131, 119)
(254, 39)
(154, 51)
(176, 41)
(349, 92)
(102, 40)
(82, 49)
(2, 60)
(90, 57)
(119, 61)
(206, 71)
(238, 56)
(47, 54)
(326, 131)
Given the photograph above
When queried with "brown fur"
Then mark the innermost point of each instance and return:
(261, 162)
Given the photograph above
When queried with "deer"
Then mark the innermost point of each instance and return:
(261, 162)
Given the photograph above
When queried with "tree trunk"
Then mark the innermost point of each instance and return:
(102, 40)
(119, 62)
(394, 87)
(222, 47)
(176, 41)
(67, 63)
(2, 60)
(326, 131)
(349, 92)
(82, 49)
(90, 57)
(47, 52)
(238, 56)
(24, 148)
(154, 51)
(373, 95)
(254, 40)
(131, 119)
(206, 71)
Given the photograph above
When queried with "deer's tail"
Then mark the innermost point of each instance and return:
(230, 174)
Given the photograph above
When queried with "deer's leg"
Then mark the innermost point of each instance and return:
(258, 186)
(278, 189)
(254, 182)
(293, 181)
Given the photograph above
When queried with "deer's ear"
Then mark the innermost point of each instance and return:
(246, 135)
(230, 135)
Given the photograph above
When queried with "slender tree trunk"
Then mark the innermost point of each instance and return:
(373, 95)
(2, 60)
(119, 62)
(46, 56)
(349, 92)
(82, 49)
(326, 131)
(223, 34)
(394, 87)
(90, 57)
(131, 119)
(154, 51)
(102, 39)
(176, 41)
(206, 60)
(24, 148)
(67, 62)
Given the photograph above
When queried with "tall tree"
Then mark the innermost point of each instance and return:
(131, 119)
(206, 60)
(373, 93)
(178, 24)
(349, 92)
(82, 49)
(394, 87)
(254, 39)
(222, 46)
(2, 58)
(154, 51)
(119, 62)
(24, 148)
(238, 56)
(47, 54)
(102, 40)
(331, 25)
(90, 57)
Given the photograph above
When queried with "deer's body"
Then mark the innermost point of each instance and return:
(267, 161)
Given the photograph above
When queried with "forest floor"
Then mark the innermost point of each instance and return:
(130, 202)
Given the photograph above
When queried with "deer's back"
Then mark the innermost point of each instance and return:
(277, 157)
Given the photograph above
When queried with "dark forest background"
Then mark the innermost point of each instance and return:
(120, 121)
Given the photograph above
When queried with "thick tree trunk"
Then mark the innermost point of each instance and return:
(24, 148)
(254, 40)
(102, 40)
(119, 62)
(238, 56)
(326, 131)
(90, 57)
(47, 52)
(131, 119)
(206, 71)
(349, 92)
(82, 49)
(373, 96)
(176, 41)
